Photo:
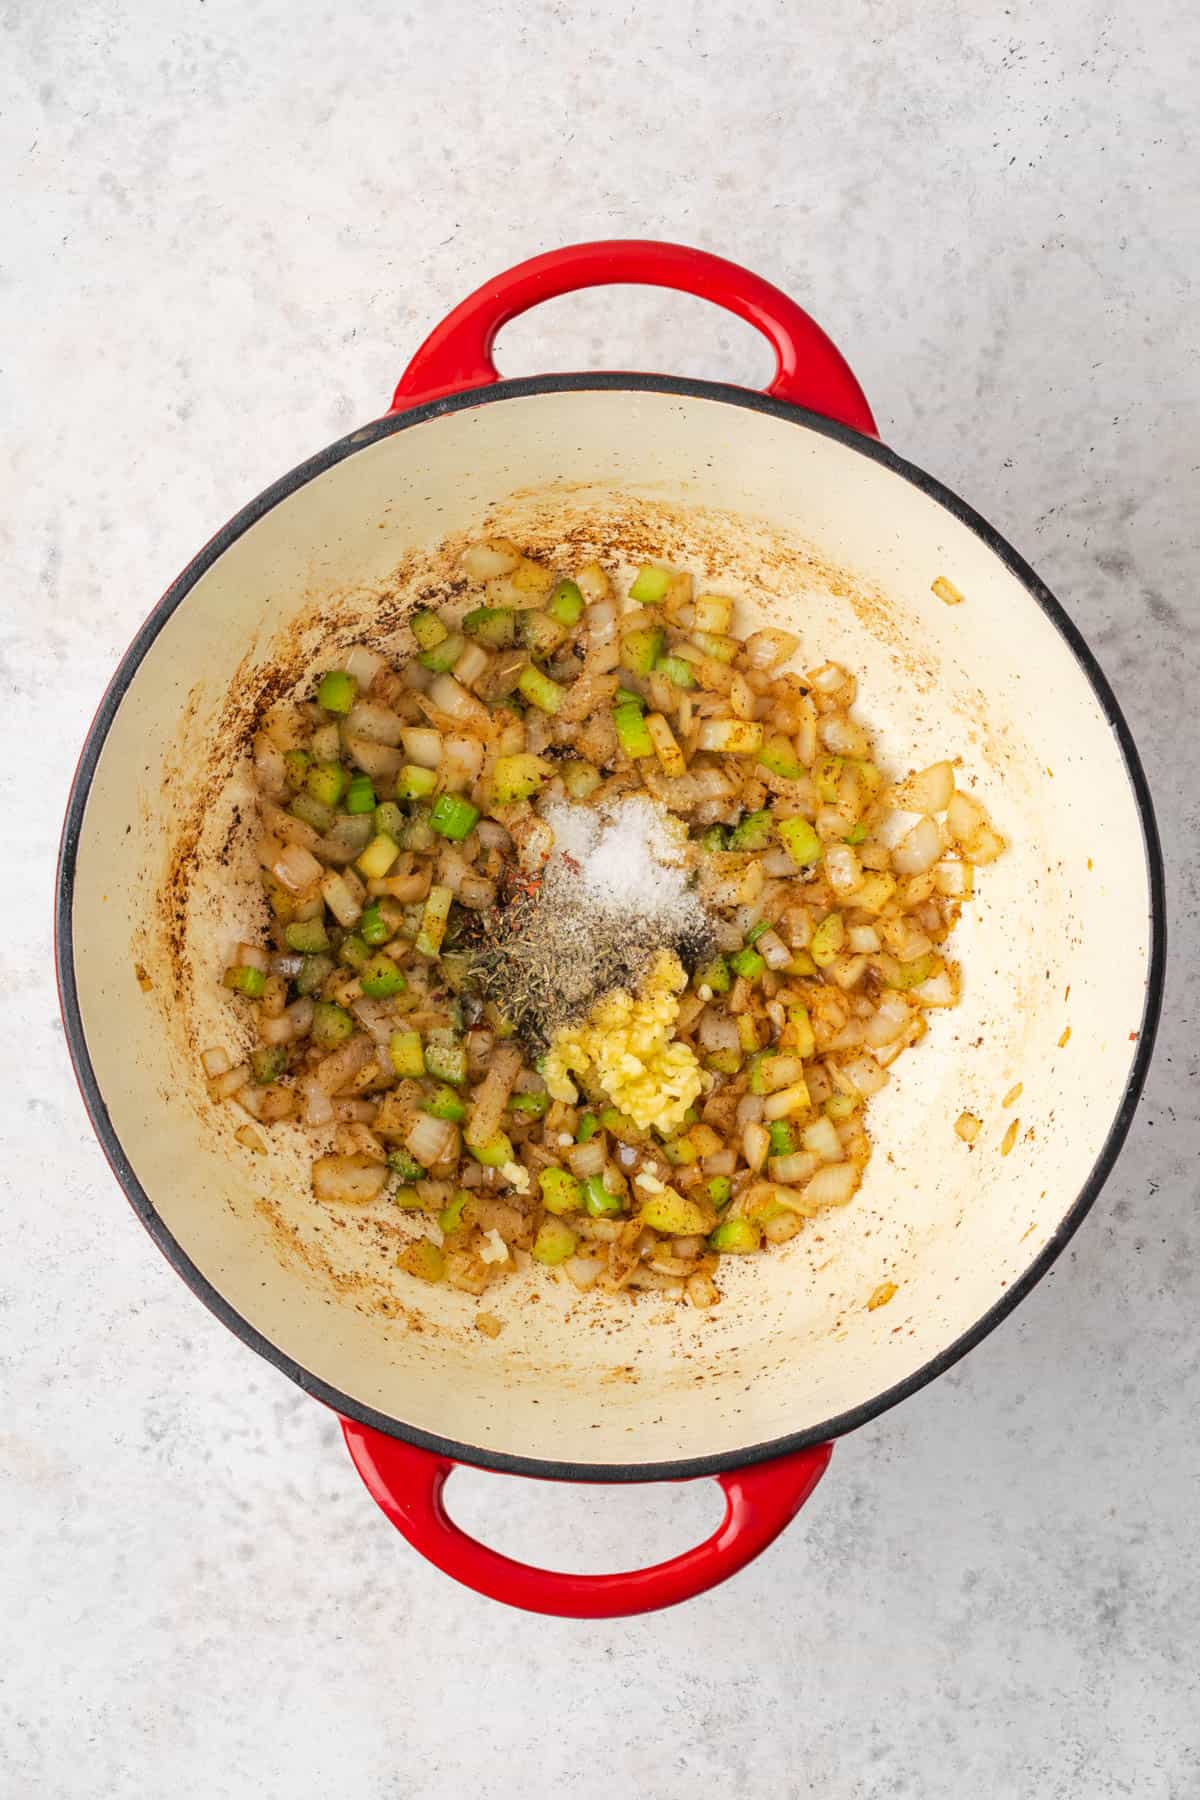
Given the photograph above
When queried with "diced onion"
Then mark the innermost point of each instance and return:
(756, 1141)
(773, 950)
(586, 1159)
(843, 736)
(296, 869)
(931, 791)
(368, 719)
(216, 1061)
(431, 1140)
(832, 1186)
(768, 649)
(422, 745)
(822, 1139)
(919, 849)
(363, 664)
(483, 562)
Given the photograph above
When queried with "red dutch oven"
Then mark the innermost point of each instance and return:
(787, 500)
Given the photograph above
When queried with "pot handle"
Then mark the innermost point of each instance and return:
(407, 1482)
(810, 371)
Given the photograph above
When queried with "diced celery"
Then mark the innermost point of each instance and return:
(553, 1243)
(381, 977)
(840, 1106)
(650, 584)
(802, 963)
(517, 778)
(856, 834)
(541, 634)
(451, 1216)
(714, 840)
(495, 1153)
(720, 1188)
(735, 1237)
(315, 969)
(561, 1192)
(676, 670)
(414, 783)
(753, 833)
(676, 1214)
(245, 980)
(782, 1141)
(360, 795)
(331, 1024)
(390, 821)
(424, 1259)
(539, 690)
(428, 629)
(715, 644)
(566, 603)
(313, 812)
(587, 1128)
(759, 929)
(295, 764)
(446, 1058)
(268, 1063)
(800, 1036)
(407, 1198)
(641, 648)
(306, 935)
(404, 1165)
(453, 817)
(714, 975)
(375, 928)
(827, 940)
(632, 735)
(336, 691)
(626, 697)
(443, 655)
(407, 1057)
(531, 1106)
(724, 1062)
(747, 963)
(800, 841)
(354, 951)
(327, 782)
(622, 1126)
(912, 974)
(779, 755)
(679, 1151)
(444, 1103)
(597, 1199)
(495, 626)
(747, 1032)
(433, 920)
(757, 1082)
(378, 856)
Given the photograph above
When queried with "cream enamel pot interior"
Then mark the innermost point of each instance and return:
(815, 526)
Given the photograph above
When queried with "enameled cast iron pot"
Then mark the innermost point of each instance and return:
(788, 500)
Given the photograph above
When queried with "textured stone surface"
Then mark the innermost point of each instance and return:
(227, 223)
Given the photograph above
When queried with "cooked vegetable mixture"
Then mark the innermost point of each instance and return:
(593, 931)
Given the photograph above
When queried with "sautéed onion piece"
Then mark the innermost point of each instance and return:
(400, 804)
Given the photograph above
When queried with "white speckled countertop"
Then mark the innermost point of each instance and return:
(227, 225)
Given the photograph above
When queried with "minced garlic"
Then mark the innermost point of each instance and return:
(628, 1043)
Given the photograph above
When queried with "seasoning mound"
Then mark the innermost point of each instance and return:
(615, 891)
